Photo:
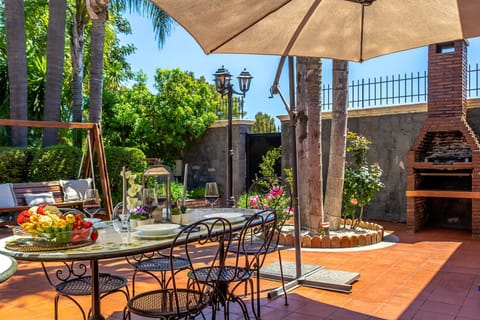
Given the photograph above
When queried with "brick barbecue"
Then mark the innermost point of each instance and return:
(443, 177)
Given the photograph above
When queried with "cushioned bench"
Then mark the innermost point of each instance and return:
(15, 197)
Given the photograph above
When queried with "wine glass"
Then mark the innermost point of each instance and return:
(91, 202)
(211, 193)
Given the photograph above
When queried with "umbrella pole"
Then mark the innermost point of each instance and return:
(292, 111)
(293, 138)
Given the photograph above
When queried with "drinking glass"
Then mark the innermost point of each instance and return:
(211, 193)
(91, 202)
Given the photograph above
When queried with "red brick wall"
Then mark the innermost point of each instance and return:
(447, 80)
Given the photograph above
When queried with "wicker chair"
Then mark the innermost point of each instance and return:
(203, 242)
(72, 280)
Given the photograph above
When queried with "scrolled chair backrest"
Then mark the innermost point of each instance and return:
(256, 237)
(203, 244)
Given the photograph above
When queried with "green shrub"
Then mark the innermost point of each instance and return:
(176, 190)
(197, 193)
(14, 164)
(55, 163)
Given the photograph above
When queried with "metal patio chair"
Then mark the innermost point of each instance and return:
(274, 194)
(72, 280)
(184, 295)
(240, 268)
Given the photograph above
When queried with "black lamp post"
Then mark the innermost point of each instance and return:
(223, 85)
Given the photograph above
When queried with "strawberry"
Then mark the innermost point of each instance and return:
(87, 224)
(94, 235)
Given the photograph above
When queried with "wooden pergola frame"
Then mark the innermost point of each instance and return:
(96, 142)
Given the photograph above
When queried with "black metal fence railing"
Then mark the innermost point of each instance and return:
(394, 90)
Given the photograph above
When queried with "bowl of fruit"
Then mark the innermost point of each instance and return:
(48, 224)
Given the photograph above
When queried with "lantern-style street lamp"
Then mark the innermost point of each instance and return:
(224, 86)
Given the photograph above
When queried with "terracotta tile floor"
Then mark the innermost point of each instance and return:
(433, 274)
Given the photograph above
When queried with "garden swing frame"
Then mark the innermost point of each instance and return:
(96, 147)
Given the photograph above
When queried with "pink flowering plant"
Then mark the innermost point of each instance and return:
(270, 192)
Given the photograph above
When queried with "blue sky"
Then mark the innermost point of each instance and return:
(182, 51)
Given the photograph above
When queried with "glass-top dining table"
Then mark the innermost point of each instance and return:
(114, 243)
(8, 266)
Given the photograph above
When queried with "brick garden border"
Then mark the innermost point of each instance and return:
(375, 235)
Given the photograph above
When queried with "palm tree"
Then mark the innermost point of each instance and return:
(55, 59)
(98, 11)
(309, 75)
(338, 141)
(79, 20)
(17, 68)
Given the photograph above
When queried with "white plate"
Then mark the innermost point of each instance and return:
(157, 229)
(140, 235)
(232, 217)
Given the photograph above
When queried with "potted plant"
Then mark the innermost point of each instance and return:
(183, 215)
(140, 217)
(176, 215)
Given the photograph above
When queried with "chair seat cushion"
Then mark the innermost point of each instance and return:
(35, 199)
(163, 303)
(74, 190)
(7, 197)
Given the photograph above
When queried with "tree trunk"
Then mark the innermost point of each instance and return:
(309, 142)
(17, 68)
(55, 60)
(338, 141)
(98, 11)
(77, 49)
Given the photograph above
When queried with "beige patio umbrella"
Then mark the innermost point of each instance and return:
(353, 30)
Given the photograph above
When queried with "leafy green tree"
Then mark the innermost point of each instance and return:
(161, 125)
(264, 123)
(123, 111)
(221, 106)
(183, 111)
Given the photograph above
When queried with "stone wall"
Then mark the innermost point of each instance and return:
(392, 132)
(207, 157)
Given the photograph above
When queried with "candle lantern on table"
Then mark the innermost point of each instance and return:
(163, 175)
